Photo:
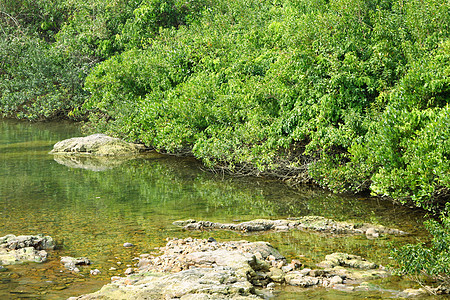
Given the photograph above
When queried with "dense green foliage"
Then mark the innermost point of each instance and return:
(429, 260)
(356, 92)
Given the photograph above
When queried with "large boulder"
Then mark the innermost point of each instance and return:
(97, 144)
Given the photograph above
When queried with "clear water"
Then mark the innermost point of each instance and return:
(93, 213)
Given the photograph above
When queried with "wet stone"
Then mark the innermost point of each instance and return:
(70, 263)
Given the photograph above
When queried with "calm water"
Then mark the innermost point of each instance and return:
(93, 212)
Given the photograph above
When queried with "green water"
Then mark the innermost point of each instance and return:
(92, 213)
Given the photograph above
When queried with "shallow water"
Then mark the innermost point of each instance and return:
(92, 213)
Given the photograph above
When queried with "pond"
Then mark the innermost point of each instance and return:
(93, 212)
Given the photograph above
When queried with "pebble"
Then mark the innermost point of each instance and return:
(95, 272)
(112, 269)
(128, 245)
(129, 271)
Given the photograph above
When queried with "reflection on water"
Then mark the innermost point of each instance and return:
(92, 213)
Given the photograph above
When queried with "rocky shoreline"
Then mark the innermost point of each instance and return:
(207, 269)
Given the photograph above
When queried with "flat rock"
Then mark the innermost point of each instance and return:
(97, 144)
(311, 223)
(197, 283)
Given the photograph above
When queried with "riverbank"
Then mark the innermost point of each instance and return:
(92, 213)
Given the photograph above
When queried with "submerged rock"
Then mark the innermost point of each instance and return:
(313, 223)
(97, 144)
(24, 248)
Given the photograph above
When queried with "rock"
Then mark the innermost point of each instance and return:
(410, 293)
(336, 280)
(346, 260)
(38, 242)
(305, 271)
(27, 254)
(24, 248)
(311, 223)
(201, 269)
(182, 223)
(372, 233)
(70, 263)
(317, 273)
(95, 272)
(297, 278)
(128, 245)
(128, 271)
(97, 144)
(196, 283)
(276, 275)
(214, 270)
(295, 264)
(287, 268)
(271, 285)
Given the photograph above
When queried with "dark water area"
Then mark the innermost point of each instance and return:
(93, 212)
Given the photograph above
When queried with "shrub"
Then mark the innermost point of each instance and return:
(430, 260)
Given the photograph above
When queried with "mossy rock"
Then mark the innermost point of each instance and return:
(97, 144)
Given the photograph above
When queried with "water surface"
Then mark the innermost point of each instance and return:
(93, 212)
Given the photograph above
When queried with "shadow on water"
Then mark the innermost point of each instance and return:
(92, 211)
